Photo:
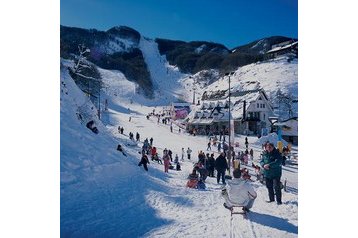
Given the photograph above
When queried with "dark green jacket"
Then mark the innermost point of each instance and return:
(274, 159)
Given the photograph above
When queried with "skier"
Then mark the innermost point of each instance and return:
(144, 161)
(272, 163)
(239, 192)
(188, 151)
(221, 166)
(137, 136)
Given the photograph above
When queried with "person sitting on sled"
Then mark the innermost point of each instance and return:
(239, 193)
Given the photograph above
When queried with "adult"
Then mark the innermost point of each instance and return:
(219, 147)
(182, 154)
(251, 154)
(211, 165)
(119, 148)
(153, 151)
(246, 143)
(137, 136)
(188, 152)
(144, 161)
(239, 192)
(272, 163)
(209, 146)
(151, 141)
(221, 166)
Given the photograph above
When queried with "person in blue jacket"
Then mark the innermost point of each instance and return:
(272, 163)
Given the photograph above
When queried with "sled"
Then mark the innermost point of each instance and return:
(237, 210)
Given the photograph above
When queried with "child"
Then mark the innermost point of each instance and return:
(193, 180)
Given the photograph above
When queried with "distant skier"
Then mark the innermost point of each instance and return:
(130, 118)
(176, 160)
(171, 128)
(144, 161)
(122, 129)
(151, 141)
(239, 192)
(188, 151)
(246, 143)
(137, 136)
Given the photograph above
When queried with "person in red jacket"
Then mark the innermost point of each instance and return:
(153, 151)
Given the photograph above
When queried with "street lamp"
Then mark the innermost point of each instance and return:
(230, 152)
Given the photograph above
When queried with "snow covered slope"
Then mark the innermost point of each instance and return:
(165, 77)
(105, 194)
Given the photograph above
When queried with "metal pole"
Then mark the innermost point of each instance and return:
(99, 104)
(229, 155)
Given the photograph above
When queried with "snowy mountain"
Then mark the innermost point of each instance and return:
(157, 65)
(261, 46)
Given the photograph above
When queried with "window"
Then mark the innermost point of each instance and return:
(264, 116)
(263, 105)
(258, 105)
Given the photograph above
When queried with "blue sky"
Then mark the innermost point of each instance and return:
(229, 22)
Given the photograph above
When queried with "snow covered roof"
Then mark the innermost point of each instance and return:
(282, 47)
(289, 127)
(181, 104)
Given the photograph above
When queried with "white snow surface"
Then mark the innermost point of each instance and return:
(105, 194)
(165, 77)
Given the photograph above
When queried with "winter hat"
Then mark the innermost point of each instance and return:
(237, 173)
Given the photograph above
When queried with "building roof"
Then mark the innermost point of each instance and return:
(279, 48)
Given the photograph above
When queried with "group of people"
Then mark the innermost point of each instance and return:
(240, 193)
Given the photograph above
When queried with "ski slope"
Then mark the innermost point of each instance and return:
(105, 194)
